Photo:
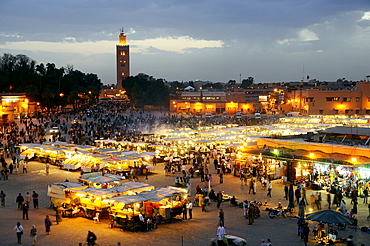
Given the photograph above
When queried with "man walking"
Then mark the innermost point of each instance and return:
(366, 194)
(2, 197)
(286, 189)
(33, 232)
(269, 188)
(251, 213)
(20, 201)
(184, 212)
(25, 209)
(35, 198)
(220, 233)
(190, 209)
(221, 216)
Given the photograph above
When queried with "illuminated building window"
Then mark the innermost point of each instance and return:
(332, 99)
(357, 99)
(346, 99)
(122, 53)
(123, 74)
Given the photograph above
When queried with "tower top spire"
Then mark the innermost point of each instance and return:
(122, 38)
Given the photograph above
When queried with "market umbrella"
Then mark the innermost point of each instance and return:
(329, 216)
(291, 196)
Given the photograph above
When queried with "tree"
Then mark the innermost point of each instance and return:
(231, 82)
(146, 90)
(44, 83)
(247, 82)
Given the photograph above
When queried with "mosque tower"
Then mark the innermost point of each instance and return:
(122, 59)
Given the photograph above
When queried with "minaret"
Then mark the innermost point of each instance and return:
(122, 59)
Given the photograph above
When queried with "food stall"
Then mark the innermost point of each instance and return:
(63, 192)
(166, 201)
(125, 211)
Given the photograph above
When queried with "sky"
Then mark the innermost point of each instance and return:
(208, 40)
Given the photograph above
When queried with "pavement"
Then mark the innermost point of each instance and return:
(197, 231)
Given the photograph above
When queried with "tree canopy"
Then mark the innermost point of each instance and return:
(143, 90)
(47, 84)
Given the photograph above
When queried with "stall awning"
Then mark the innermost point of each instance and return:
(128, 199)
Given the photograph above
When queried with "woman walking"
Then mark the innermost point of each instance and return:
(19, 230)
(47, 223)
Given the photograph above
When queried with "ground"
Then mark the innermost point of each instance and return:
(197, 231)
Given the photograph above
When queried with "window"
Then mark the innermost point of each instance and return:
(357, 99)
(368, 99)
(357, 111)
(123, 74)
(346, 99)
(122, 53)
(336, 111)
(367, 111)
(346, 111)
(310, 99)
(321, 111)
(332, 99)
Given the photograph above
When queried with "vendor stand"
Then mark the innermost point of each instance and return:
(60, 193)
(125, 212)
(165, 202)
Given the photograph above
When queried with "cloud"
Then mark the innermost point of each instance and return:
(303, 35)
(179, 45)
(10, 35)
(366, 16)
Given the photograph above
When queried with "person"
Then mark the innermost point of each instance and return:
(251, 214)
(306, 231)
(302, 207)
(349, 241)
(47, 223)
(33, 233)
(329, 199)
(47, 166)
(269, 188)
(221, 216)
(286, 190)
(35, 199)
(297, 194)
(220, 233)
(25, 163)
(91, 238)
(268, 243)
(28, 197)
(343, 208)
(25, 209)
(190, 209)
(19, 231)
(2, 197)
(219, 199)
(331, 236)
(366, 194)
(300, 224)
(20, 201)
(233, 202)
(251, 186)
(184, 211)
(221, 177)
